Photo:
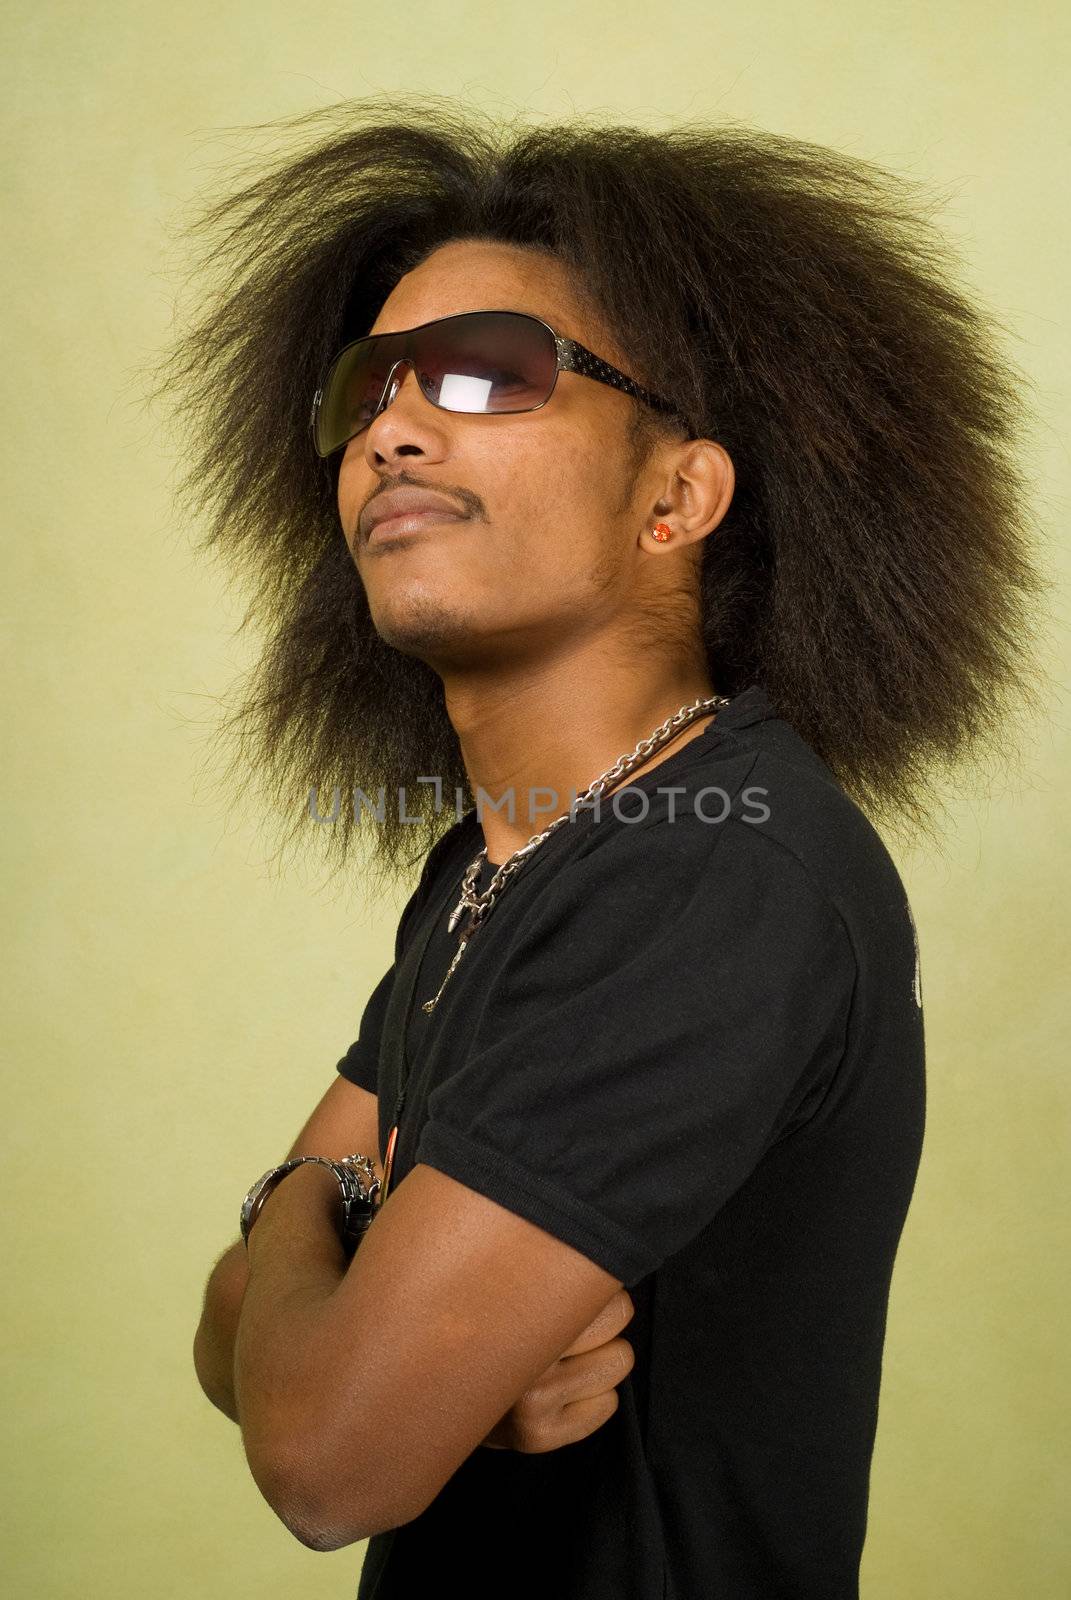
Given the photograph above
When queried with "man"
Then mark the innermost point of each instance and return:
(737, 534)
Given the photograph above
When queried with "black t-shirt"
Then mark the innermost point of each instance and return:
(688, 1041)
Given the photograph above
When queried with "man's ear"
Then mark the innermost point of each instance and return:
(701, 488)
(698, 491)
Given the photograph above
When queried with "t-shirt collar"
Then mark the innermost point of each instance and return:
(749, 705)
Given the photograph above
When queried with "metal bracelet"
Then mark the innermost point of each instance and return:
(359, 1188)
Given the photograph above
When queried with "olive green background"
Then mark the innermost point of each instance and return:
(176, 1008)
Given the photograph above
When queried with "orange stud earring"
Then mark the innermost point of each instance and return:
(662, 531)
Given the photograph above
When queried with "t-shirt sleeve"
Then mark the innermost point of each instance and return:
(361, 1062)
(661, 1020)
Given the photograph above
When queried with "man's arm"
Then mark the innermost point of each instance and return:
(363, 1386)
(345, 1120)
(213, 1343)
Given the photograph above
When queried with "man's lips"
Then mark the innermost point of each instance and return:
(394, 505)
(411, 522)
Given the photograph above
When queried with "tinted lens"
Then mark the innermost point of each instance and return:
(352, 389)
(481, 361)
(486, 361)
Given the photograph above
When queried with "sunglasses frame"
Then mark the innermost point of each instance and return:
(571, 357)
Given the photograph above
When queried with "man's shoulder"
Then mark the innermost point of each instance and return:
(808, 815)
(759, 805)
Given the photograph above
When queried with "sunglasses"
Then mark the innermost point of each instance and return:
(479, 361)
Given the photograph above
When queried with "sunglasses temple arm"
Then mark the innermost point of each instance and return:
(574, 357)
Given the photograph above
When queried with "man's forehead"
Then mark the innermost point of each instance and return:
(482, 275)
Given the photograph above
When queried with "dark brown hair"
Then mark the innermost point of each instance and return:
(875, 570)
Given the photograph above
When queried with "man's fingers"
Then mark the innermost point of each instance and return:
(582, 1377)
(578, 1377)
(574, 1422)
(573, 1397)
(609, 1322)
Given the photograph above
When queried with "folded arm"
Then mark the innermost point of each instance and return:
(362, 1389)
(345, 1120)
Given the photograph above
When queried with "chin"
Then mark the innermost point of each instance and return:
(423, 626)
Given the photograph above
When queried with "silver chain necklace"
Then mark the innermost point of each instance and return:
(479, 905)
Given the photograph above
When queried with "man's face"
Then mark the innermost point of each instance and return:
(551, 548)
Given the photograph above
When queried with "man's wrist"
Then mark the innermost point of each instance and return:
(306, 1205)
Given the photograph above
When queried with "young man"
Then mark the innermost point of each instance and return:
(676, 470)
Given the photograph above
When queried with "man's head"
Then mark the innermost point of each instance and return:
(560, 502)
(851, 526)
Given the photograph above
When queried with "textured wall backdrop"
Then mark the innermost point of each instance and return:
(176, 1009)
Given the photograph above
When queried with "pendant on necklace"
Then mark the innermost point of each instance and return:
(388, 1164)
(429, 1005)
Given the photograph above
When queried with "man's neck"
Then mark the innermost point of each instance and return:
(558, 730)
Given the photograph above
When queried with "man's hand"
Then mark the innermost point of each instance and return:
(577, 1394)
